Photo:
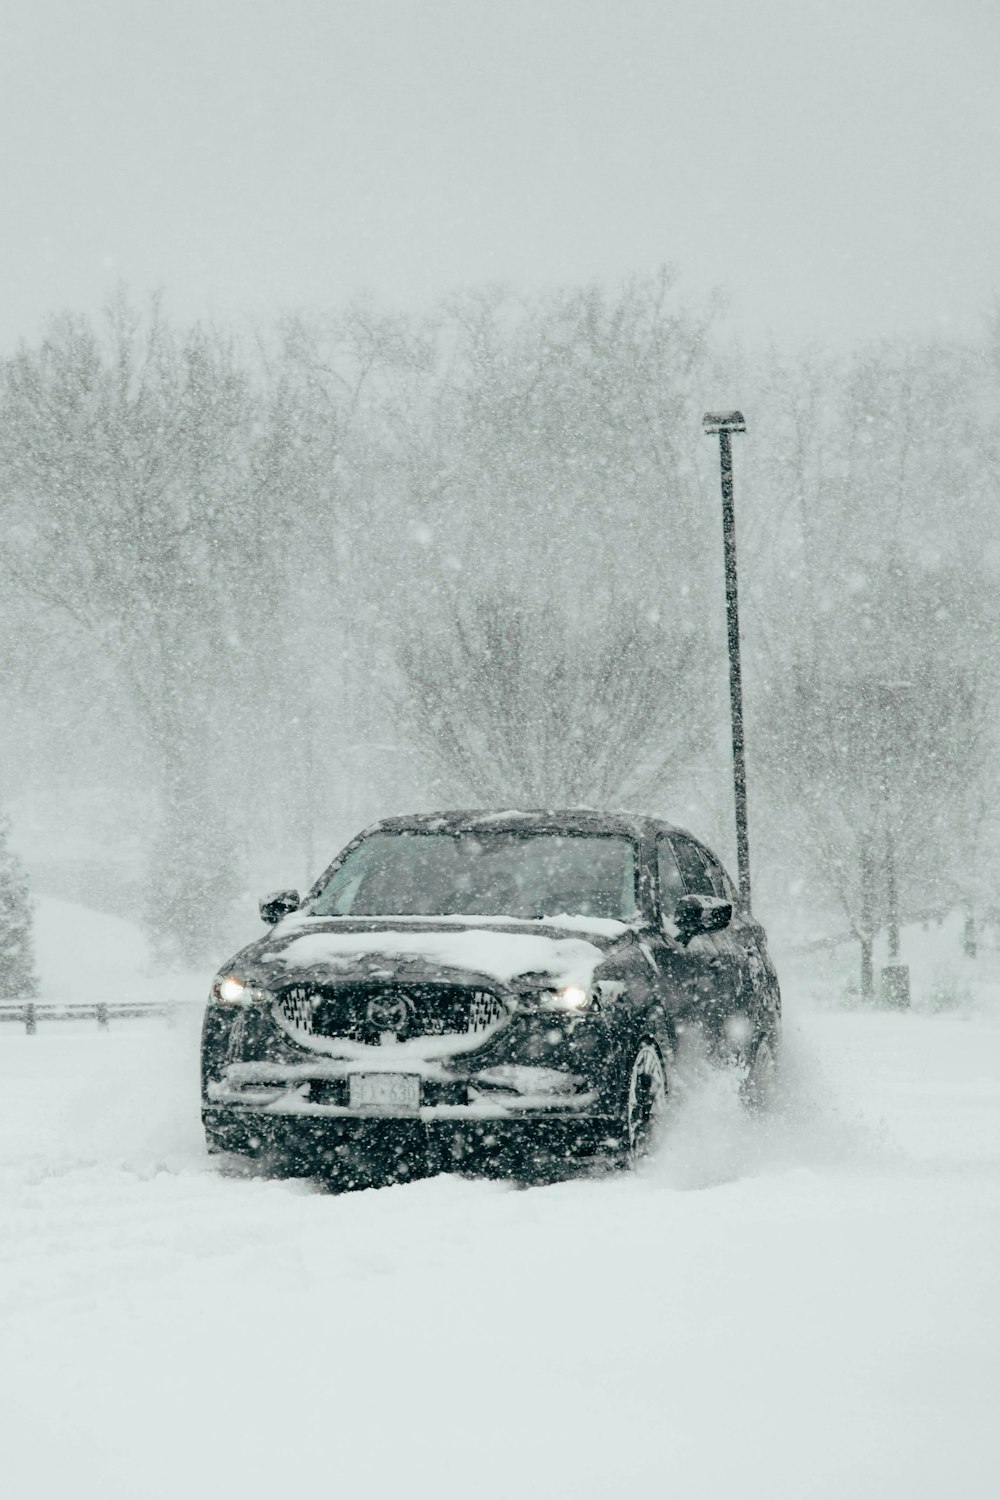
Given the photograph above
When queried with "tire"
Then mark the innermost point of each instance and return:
(761, 1081)
(645, 1103)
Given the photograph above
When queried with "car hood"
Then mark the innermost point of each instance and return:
(554, 952)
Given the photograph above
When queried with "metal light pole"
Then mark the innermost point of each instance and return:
(724, 423)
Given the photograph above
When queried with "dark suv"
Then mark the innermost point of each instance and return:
(488, 990)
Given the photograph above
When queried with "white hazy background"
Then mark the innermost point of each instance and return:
(352, 366)
(356, 545)
(831, 166)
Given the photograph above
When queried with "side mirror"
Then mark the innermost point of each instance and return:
(699, 914)
(272, 908)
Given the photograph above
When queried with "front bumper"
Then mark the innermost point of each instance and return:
(370, 1148)
(320, 1089)
(540, 1084)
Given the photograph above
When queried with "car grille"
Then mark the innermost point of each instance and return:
(367, 1012)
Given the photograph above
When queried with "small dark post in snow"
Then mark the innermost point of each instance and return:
(30, 1024)
(724, 423)
(102, 1014)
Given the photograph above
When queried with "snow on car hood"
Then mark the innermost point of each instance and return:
(501, 955)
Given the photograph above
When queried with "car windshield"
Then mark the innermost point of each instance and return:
(512, 874)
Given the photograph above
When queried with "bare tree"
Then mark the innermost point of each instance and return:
(139, 504)
(551, 707)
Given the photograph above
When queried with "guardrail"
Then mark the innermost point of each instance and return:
(30, 1012)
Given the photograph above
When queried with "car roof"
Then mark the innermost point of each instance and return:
(548, 820)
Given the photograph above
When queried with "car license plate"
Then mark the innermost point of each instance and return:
(388, 1091)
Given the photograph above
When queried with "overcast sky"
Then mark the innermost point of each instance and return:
(832, 165)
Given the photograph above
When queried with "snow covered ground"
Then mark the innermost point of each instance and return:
(807, 1306)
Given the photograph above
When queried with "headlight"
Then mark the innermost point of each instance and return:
(229, 989)
(573, 998)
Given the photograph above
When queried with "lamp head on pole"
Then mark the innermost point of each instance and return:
(723, 421)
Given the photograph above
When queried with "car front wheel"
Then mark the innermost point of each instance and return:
(646, 1103)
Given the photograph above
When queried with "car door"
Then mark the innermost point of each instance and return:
(691, 979)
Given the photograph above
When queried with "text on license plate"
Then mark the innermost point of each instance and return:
(385, 1091)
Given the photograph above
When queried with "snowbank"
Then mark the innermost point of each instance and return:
(83, 957)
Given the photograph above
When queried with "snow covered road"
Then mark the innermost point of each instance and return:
(806, 1306)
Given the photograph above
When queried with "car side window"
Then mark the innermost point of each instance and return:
(669, 878)
(720, 876)
(716, 874)
(697, 877)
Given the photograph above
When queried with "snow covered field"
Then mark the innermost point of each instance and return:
(807, 1306)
